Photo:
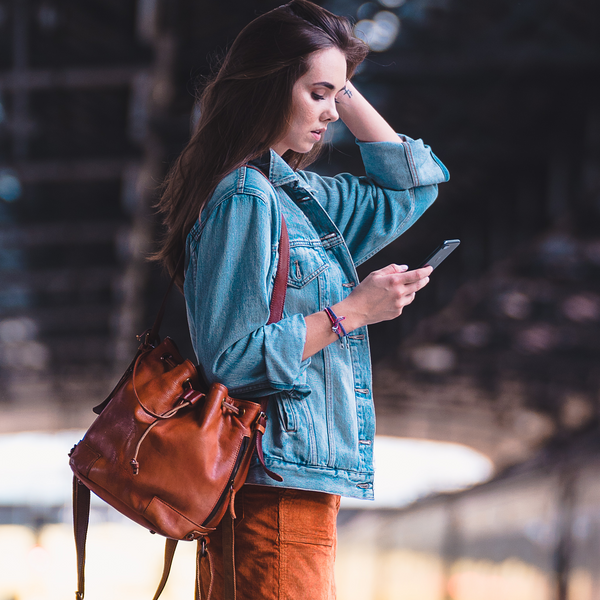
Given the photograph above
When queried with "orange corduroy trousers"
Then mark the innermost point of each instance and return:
(285, 544)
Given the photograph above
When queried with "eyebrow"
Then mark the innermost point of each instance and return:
(326, 84)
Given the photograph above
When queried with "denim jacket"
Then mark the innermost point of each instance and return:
(321, 417)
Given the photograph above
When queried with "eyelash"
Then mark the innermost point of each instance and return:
(317, 96)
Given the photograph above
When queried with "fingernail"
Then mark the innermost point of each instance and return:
(403, 267)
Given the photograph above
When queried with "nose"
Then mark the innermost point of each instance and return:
(331, 114)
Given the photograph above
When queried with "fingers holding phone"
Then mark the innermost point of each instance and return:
(411, 283)
(384, 293)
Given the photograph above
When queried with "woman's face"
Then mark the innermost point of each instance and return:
(313, 101)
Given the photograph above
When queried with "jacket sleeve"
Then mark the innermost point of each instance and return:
(228, 285)
(372, 211)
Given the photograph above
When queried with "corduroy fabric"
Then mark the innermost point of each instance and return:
(285, 545)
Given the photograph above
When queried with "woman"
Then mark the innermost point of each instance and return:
(263, 118)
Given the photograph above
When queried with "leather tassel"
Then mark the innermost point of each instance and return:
(231, 502)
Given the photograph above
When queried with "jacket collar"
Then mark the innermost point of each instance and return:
(275, 169)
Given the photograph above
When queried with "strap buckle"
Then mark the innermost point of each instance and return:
(144, 338)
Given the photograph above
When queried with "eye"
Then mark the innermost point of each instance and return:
(316, 96)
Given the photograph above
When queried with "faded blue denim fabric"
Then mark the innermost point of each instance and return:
(321, 423)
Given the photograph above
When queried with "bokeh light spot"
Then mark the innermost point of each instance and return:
(10, 186)
(433, 358)
(380, 32)
(392, 3)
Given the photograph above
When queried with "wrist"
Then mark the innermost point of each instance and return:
(345, 97)
(337, 324)
(353, 319)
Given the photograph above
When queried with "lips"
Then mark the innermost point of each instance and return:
(317, 133)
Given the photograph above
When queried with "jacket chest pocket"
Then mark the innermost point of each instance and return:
(307, 261)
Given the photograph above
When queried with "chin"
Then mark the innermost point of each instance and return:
(301, 150)
(306, 148)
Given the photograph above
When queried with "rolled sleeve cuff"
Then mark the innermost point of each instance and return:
(284, 347)
(403, 165)
(283, 368)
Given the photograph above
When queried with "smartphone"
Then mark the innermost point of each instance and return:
(440, 253)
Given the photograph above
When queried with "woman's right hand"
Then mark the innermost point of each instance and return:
(382, 295)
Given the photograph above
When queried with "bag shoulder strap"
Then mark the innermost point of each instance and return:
(283, 268)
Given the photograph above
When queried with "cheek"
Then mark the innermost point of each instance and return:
(304, 113)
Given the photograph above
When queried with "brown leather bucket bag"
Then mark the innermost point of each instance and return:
(166, 453)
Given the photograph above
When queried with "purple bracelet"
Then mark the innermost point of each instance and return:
(336, 325)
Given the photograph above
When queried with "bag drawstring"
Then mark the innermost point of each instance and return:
(203, 552)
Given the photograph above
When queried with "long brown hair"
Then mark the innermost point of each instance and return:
(246, 108)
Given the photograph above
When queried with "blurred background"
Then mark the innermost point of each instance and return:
(487, 388)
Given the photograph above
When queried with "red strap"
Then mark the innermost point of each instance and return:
(260, 429)
(283, 267)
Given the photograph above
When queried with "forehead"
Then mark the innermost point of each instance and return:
(327, 65)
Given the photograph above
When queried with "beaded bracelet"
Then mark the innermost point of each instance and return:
(336, 325)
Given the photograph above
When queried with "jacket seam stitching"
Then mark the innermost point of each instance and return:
(228, 196)
(411, 164)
